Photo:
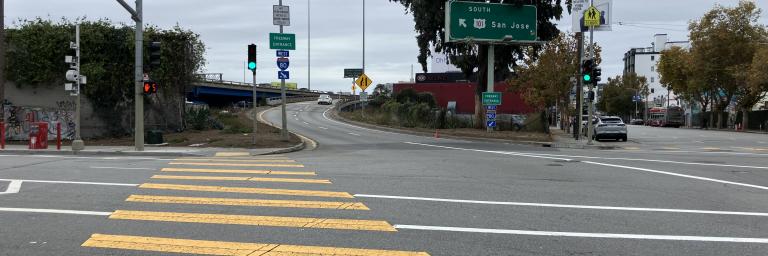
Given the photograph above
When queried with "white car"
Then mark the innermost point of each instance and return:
(324, 99)
(610, 127)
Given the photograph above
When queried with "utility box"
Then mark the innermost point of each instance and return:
(38, 135)
(155, 137)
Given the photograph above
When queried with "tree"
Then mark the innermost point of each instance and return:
(757, 80)
(677, 70)
(546, 81)
(429, 16)
(618, 92)
(723, 42)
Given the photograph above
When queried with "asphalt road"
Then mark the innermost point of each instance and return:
(399, 193)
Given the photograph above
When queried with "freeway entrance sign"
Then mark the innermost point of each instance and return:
(486, 22)
(278, 41)
(491, 98)
(352, 72)
(282, 75)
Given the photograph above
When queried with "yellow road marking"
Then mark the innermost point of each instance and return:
(225, 154)
(236, 160)
(238, 171)
(188, 246)
(238, 165)
(710, 148)
(230, 178)
(248, 202)
(253, 220)
(266, 191)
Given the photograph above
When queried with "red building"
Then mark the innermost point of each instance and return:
(463, 93)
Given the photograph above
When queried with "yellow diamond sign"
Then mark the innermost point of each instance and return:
(592, 17)
(363, 82)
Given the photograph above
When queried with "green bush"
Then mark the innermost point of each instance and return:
(197, 119)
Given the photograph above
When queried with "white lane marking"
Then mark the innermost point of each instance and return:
(603, 164)
(353, 134)
(589, 235)
(679, 175)
(306, 123)
(323, 128)
(76, 182)
(121, 168)
(13, 187)
(31, 210)
(595, 207)
(652, 160)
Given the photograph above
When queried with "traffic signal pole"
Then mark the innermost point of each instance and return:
(77, 143)
(138, 133)
(579, 86)
(593, 81)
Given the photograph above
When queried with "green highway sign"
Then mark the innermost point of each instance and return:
(486, 22)
(279, 41)
(491, 98)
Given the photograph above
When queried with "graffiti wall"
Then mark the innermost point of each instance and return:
(21, 118)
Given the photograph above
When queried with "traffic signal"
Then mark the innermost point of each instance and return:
(154, 55)
(252, 57)
(586, 70)
(149, 87)
(596, 73)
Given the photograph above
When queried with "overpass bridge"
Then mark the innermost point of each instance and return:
(213, 90)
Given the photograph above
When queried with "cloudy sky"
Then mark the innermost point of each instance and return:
(228, 26)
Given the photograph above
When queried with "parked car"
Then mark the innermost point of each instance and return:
(518, 122)
(637, 121)
(324, 99)
(610, 127)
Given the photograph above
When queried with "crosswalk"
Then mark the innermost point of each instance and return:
(239, 180)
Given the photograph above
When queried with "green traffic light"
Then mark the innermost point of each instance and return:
(587, 78)
(251, 65)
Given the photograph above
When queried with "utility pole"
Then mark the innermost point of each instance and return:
(579, 86)
(309, 48)
(2, 61)
(136, 15)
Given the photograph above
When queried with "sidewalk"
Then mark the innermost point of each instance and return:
(130, 151)
(564, 139)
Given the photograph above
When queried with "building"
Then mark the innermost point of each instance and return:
(644, 62)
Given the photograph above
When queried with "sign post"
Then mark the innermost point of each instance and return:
(279, 41)
(591, 20)
(363, 82)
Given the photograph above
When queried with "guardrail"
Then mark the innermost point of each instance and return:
(277, 100)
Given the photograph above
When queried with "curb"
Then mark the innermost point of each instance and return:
(97, 153)
(306, 143)
(334, 114)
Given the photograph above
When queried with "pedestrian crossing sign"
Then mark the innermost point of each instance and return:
(592, 17)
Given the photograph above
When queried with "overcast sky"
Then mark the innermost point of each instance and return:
(228, 26)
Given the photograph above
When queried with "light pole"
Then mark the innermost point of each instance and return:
(309, 48)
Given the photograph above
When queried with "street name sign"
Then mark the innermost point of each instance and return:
(592, 17)
(489, 22)
(282, 63)
(491, 98)
(283, 75)
(282, 53)
(278, 41)
(363, 82)
(281, 15)
(352, 72)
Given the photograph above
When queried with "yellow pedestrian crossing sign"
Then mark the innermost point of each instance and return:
(592, 17)
(363, 82)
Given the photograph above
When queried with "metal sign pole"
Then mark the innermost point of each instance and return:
(284, 131)
(253, 106)
(490, 77)
(77, 143)
(139, 76)
(590, 128)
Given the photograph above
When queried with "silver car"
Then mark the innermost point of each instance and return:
(610, 127)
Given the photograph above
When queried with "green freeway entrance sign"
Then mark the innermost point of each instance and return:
(484, 22)
(491, 98)
(279, 41)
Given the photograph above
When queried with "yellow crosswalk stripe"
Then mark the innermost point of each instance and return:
(254, 220)
(188, 246)
(230, 178)
(237, 171)
(236, 160)
(248, 202)
(237, 164)
(247, 190)
(225, 154)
